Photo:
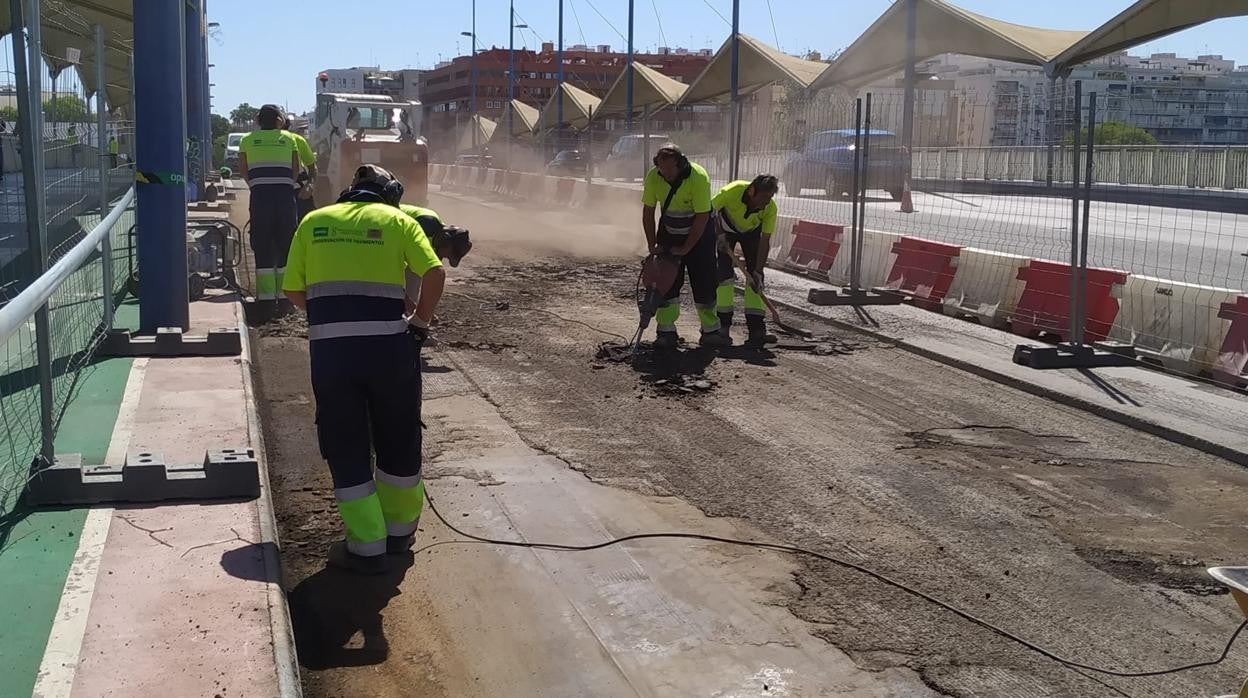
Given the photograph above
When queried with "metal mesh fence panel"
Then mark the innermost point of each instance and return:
(74, 147)
(1172, 218)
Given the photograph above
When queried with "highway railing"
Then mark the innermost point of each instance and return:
(1197, 167)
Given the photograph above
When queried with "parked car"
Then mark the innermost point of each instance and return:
(568, 163)
(625, 159)
(232, 141)
(826, 161)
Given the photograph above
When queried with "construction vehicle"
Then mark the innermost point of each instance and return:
(350, 130)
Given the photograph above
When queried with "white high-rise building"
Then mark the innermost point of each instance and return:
(1178, 100)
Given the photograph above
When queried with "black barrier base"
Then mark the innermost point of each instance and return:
(1070, 356)
(170, 342)
(230, 473)
(845, 296)
(260, 312)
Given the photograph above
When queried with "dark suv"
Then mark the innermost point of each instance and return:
(826, 161)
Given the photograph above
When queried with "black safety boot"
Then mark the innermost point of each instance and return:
(725, 327)
(758, 332)
(397, 545)
(713, 340)
(666, 340)
(344, 559)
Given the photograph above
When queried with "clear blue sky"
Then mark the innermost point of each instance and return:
(419, 33)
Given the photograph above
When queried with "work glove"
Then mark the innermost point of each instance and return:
(757, 279)
(418, 330)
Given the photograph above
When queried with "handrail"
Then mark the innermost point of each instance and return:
(17, 311)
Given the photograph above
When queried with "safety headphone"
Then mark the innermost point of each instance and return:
(392, 192)
(682, 161)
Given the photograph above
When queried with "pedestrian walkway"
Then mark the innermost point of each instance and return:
(103, 601)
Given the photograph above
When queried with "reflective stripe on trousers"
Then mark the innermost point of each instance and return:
(269, 283)
(360, 509)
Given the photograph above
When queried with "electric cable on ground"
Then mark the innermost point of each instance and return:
(878, 576)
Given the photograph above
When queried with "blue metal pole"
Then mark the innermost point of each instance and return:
(511, 76)
(735, 79)
(559, 91)
(195, 107)
(629, 79)
(476, 124)
(204, 89)
(160, 134)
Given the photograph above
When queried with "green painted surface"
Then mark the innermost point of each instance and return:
(41, 546)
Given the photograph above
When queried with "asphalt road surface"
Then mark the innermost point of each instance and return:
(1079, 534)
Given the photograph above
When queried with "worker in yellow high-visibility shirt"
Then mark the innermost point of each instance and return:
(347, 268)
(268, 159)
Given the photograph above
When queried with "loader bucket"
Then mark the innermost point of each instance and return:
(407, 160)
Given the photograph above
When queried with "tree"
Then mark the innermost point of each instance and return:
(1114, 133)
(8, 114)
(220, 126)
(243, 115)
(65, 108)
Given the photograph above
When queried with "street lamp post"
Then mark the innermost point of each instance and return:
(472, 35)
(559, 89)
(511, 77)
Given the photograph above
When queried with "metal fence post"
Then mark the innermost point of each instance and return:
(101, 146)
(854, 260)
(28, 65)
(1082, 271)
(1072, 318)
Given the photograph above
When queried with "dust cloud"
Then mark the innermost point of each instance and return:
(511, 232)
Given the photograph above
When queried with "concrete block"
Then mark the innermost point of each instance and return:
(230, 473)
(170, 341)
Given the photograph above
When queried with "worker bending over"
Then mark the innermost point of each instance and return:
(745, 215)
(268, 159)
(449, 242)
(306, 176)
(347, 269)
(682, 190)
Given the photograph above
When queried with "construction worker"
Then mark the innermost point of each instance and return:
(306, 174)
(450, 242)
(269, 160)
(113, 150)
(682, 190)
(346, 269)
(745, 215)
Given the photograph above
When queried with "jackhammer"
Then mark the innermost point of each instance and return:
(658, 273)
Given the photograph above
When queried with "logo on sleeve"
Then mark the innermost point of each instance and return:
(320, 232)
(374, 233)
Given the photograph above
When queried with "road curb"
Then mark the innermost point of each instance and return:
(1124, 418)
(285, 658)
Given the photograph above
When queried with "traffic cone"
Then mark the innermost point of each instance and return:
(907, 206)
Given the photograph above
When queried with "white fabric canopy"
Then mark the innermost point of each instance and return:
(651, 90)
(1144, 21)
(942, 27)
(578, 106)
(758, 65)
